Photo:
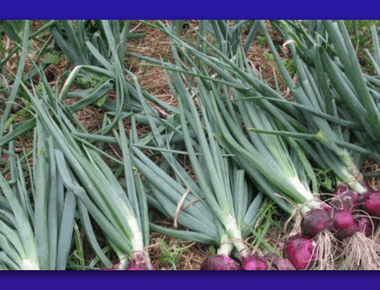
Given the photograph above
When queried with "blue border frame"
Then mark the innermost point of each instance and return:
(166, 280)
(185, 9)
(189, 10)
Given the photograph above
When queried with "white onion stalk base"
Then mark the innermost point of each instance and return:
(137, 239)
(29, 265)
(234, 234)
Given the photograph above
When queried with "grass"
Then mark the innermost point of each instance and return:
(171, 254)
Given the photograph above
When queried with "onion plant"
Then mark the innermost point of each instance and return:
(335, 85)
(13, 93)
(331, 146)
(229, 199)
(178, 198)
(99, 70)
(101, 46)
(243, 137)
(19, 31)
(37, 211)
(122, 217)
(246, 84)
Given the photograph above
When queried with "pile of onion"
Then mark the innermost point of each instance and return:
(219, 262)
(338, 219)
(249, 262)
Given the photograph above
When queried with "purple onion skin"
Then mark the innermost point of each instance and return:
(346, 198)
(314, 222)
(371, 203)
(342, 188)
(365, 225)
(300, 251)
(278, 263)
(344, 225)
(133, 266)
(137, 264)
(252, 262)
(138, 268)
(219, 262)
(366, 185)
